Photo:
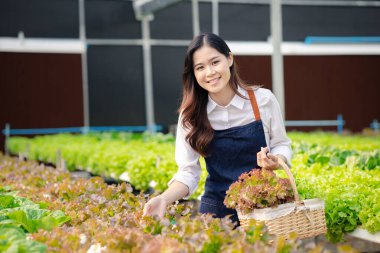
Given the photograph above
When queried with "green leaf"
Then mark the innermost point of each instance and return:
(43, 205)
(371, 163)
(7, 201)
(60, 216)
(13, 240)
(52, 220)
(11, 233)
(322, 159)
(342, 214)
(19, 217)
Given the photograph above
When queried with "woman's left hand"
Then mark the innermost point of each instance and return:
(266, 160)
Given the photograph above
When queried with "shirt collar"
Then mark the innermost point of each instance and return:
(236, 101)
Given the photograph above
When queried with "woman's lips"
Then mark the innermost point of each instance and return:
(212, 81)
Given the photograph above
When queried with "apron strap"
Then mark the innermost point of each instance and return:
(255, 107)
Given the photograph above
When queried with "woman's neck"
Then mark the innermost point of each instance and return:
(223, 97)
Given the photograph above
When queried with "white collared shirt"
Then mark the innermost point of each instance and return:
(238, 112)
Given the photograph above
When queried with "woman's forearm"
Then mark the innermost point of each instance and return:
(176, 191)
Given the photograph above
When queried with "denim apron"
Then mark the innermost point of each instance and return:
(232, 152)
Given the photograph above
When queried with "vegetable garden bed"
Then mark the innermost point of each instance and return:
(342, 170)
(108, 218)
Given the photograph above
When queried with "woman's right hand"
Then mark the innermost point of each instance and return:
(155, 207)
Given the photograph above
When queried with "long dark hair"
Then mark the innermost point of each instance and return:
(194, 102)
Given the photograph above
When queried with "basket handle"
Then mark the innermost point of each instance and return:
(291, 178)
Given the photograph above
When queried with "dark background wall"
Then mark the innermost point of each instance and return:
(321, 87)
(110, 20)
(39, 18)
(40, 91)
(45, 90)
(333, 84)
(116, 86)
(302, 21)
(167, 82)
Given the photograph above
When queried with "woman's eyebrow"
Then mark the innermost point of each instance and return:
(213, 58)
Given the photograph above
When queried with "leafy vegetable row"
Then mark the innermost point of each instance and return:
(351, 195)
(108, 218)
(342, 170)
(20, 216)
(146, 161)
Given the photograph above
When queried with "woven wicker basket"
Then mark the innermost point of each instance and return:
(306, 218)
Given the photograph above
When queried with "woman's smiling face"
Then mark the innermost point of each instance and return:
(212, 69)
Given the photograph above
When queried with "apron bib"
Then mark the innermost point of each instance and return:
(232, 152)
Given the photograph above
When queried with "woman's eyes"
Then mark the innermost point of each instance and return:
(201, 67)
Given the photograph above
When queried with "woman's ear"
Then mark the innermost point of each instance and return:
(230, 59)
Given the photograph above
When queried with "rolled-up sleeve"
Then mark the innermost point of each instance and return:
(279, 142)
(187, 159)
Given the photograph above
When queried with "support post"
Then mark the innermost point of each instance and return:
(340, 123)
(375, 125)
(85, 130)
(277, 61)
(215, 16)
(82, 37)
(195, 11)
(7, 136)
(148, 75)
(58, 161)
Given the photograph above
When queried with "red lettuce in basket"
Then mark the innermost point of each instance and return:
(259, 188)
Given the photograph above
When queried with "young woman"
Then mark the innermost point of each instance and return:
(224, 120)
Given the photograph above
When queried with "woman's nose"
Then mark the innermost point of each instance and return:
(210, 70)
